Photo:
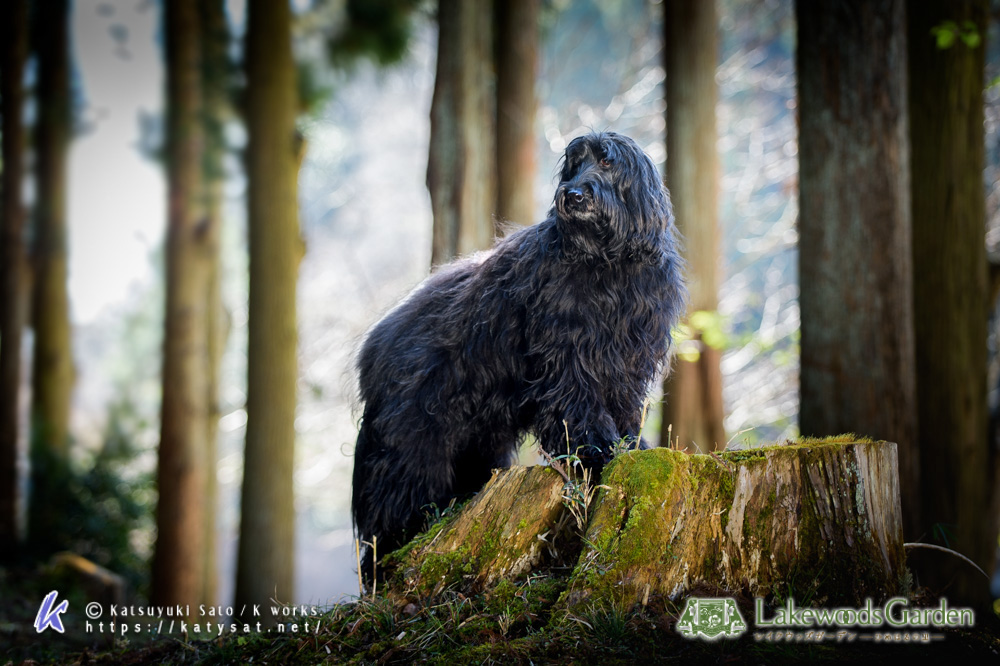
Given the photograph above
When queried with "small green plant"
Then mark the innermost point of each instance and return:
(504, 622)
(577, 495)
(607, 624)
(105, 511)
(625, 445)
(435, 514)
(578, 491)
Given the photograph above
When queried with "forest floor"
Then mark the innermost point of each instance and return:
(510, 623)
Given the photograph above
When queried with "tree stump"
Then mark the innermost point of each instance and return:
(818, 521)
(509, 528)
(98, 583)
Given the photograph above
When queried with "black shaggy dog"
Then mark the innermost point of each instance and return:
(560, 330)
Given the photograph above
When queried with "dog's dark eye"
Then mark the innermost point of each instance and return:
(606, 162)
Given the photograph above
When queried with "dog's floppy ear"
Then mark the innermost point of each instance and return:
(567, 164)
(647, 203)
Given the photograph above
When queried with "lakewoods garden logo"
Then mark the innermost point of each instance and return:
(711, 618)
(894, 621)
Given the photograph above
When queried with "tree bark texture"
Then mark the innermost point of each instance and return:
(13, 269)
(855, 261)
(52, 366)
(819, 520)
(267, 522)
(497, 535)
(52, 374)
(178, 564)
(950, 292)
(215, 86)
(517, 70)
(693, 390)
(462, 157)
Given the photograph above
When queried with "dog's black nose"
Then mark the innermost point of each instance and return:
(574, 199)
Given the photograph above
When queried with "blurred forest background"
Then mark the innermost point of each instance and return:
(355, 82)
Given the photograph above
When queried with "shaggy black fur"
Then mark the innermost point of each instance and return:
(560, 330)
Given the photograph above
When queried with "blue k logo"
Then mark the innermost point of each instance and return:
(48, 616)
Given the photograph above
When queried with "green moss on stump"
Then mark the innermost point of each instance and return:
(808, 520)
(495, 536)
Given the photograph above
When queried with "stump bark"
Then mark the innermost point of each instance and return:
(514, 524)
(818, 521)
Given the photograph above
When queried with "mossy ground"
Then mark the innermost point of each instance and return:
(526, 621)
(519, 623)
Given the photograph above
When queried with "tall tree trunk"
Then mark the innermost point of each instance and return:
(516, 65)
(461, 164)
(13, 271)
(267, 523)
(178, 561)
(693, 390)
(215, 84)
(52, 371)
(950, 291)
(855, 262)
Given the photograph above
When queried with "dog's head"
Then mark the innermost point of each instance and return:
(611, 202)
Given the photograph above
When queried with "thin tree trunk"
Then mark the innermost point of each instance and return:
(855, 263)
(53, 363)
(693, 390)
(52, 369)
(178, 561)
(267, 523)
(516, 65)
(461, 163)
(950, 291)
(13, 271)
(215, 83)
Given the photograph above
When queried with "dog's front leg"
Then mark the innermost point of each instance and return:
(577, 424)
(629, 416)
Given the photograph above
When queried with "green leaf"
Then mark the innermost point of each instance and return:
(710, 325)
(681, 333)
(971, 39)
(947, 32)
(945, 38)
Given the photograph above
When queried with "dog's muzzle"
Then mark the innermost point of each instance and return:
(576, 199)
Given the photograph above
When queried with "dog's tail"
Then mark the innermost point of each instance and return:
(359, 509)
(369, 515)
(391, 491)
(362, 450)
